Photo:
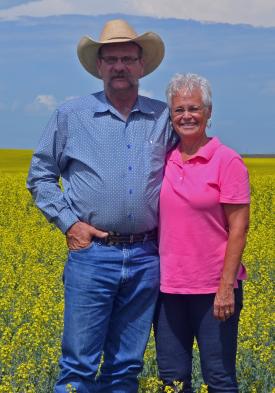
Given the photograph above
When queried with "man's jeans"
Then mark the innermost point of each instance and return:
(110, 296)
(180, 318)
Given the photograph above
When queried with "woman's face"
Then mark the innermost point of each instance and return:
(188, 114)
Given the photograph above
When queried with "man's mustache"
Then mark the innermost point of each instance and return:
(120, 75)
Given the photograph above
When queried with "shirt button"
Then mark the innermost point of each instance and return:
(130, 216)
(129, 146)
(130, 168)
(130, 191)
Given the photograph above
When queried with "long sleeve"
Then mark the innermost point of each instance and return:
(111, 170)
(44, 174)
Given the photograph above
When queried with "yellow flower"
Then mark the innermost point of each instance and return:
(32, 256)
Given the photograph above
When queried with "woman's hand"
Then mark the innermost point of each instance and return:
(224, 303)
(238, 220)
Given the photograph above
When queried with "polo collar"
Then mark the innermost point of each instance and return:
(207, 151)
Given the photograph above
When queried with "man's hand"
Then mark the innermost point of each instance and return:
(80, 235)
(224, 303)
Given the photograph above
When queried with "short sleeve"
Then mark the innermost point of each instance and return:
(234, 183)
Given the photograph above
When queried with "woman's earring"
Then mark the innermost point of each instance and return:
(209, 123)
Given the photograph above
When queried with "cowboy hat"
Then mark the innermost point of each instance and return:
(118, 31)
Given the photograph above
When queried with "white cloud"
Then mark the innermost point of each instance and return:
(255, 12)
(39, 9)
(146, 93)
(12, 3)
(42, 102)
(70, 98)
(45, 102)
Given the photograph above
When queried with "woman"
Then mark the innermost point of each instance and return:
(204, 214)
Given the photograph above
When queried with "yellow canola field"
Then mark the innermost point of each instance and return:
(32, 256)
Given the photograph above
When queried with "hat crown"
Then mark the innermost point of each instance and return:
(117, 29)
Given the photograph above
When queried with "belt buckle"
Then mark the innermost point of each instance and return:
(109, 242)
(113, 238)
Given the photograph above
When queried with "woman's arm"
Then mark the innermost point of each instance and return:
(238, 222)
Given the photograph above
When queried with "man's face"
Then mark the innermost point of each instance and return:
(120, 67)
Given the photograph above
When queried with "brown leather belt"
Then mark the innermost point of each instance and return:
(117, 238)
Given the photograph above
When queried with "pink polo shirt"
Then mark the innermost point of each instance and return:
(193, 227)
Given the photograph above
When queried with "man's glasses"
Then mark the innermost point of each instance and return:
(127, 60)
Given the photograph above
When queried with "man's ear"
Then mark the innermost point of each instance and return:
(98, 66)
(142, 67)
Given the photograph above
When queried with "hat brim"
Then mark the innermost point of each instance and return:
(151, 44)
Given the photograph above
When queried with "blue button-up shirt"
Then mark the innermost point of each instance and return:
(111, 168)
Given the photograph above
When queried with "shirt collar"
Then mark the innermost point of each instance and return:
(206, 151)
(104, 105)
(209, 149)
(143, 105)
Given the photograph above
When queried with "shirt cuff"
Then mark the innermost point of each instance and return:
(235, 201)
(65, 220)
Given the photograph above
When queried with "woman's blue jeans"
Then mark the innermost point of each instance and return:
(110, 297)
(180, 318)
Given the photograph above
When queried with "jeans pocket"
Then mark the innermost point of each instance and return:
(83, 249)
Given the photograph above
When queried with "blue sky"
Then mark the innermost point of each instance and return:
(232, 44)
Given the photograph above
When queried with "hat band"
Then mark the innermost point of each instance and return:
(120, 38)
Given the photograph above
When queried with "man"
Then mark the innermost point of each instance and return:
(109, 150)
